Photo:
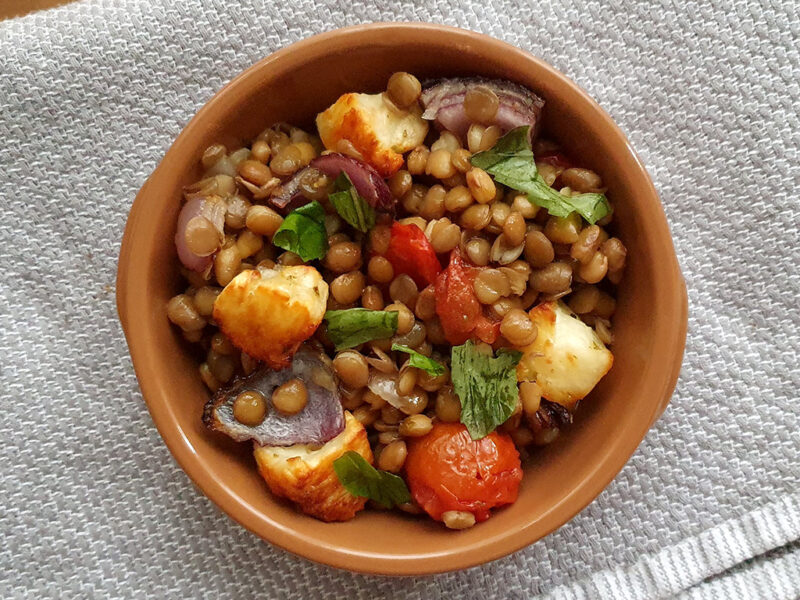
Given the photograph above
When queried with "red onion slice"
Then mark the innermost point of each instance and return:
(321, 420)
(367, 181)
(444, 103)
(290, 197)
(211, 208)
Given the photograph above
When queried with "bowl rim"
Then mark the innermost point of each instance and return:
(367, 562)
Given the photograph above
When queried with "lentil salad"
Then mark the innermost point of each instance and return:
(430, 300)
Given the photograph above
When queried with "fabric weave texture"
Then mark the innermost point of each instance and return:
(91, 502)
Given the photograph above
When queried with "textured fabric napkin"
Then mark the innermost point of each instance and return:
(91, 502)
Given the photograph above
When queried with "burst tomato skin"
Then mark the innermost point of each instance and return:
(448, 470)
(411, 253)
(458, 307)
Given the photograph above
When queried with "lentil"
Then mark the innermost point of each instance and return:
(352, 369)
(405, 318)
(514, 228)
(260, 151)
(615, 252)
(432, 206)
(563, 230)
(448, 406)
(400, 183)
(201, 237)
(523, 206)
(181, 311)
(255, 172)
(586, 245)
(291, 397)
(236, 214)
(417, 160)
(440, 164)
(481, 104)
(204, 301)
(444, 236)
(393, 457)
(415, 426)
(263, 220)
(477, 250)
(248, 243)
(605, 307)
(458, 198)
(538, 249)
(447, 141)
(403, 289)
(517, 328)
(347, 288)
(481, 185)
(595, 269)
(343, 257)
(250, 408)
(372, 298)
(226, 265)
(221, 366)
(490, 285)
(475, 217)
(461, 161)
(426, 304)
(403, 89)
(552, 278)
(581, 180)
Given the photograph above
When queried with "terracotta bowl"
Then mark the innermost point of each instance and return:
(650, 324)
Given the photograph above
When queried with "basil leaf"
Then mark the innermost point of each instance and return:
(303, 232)
(350, 206)
(362, 479)
(420, 361)
(510, 161)
(486, 387)
(354, 326)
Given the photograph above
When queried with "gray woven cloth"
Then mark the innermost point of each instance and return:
(91, 502)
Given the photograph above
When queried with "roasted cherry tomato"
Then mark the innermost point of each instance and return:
(448, 470)
(458, 307)
(411, 253)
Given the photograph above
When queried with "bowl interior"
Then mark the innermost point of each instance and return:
(292, 86)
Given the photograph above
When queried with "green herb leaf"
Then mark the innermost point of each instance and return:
(420, 361)
(303, 232)
(362, 479)
(510, 161)
(350, 206)
(354, 326)
(486, 386)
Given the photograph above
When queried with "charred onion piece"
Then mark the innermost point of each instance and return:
(550, 415)
(211, 208)
(321, 420)
(443, 102)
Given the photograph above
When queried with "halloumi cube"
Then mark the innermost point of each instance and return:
(567, 359)
(268, 313)
(379, 132)
(305, 474)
